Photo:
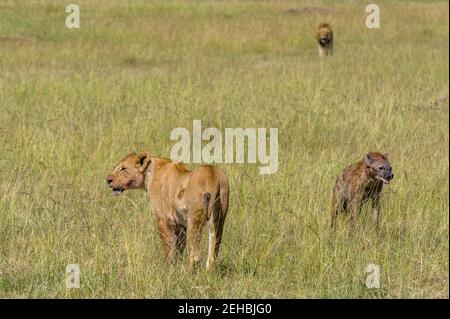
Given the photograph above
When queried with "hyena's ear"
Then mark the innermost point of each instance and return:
(143, 159)
(368, 159)
(386, 155)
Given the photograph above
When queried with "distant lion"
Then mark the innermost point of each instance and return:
(324, 36)
(360, 182)
(183, 201)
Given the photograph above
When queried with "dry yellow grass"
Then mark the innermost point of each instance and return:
(74, 101)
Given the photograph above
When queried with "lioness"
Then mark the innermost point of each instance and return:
(360, 182)
(183, 201)
(324, 36)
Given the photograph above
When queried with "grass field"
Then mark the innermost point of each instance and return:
(74, 101)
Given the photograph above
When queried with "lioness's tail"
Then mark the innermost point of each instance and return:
(216, 206)
(206, 199)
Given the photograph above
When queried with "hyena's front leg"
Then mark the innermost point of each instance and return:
(353, 209)
(376, 210)
(338, 203)
(334, 213)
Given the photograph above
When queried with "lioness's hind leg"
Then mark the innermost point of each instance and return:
(216, 222)
(215, 230)
(212, 243)
(194, 236)
(221, 221)
(219, 233)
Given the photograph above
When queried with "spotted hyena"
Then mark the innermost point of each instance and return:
(359, 183)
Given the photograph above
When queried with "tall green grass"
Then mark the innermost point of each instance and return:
(73, 102)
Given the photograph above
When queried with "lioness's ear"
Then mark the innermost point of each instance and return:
(143, 159)
(368, 160)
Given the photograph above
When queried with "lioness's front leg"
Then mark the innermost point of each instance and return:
(168, 235)
(181, 239)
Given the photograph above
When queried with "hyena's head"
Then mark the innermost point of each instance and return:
(378, 166)
(324, 34)
(129, 173)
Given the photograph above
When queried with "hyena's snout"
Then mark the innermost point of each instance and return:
(386, 175)
(389, 176)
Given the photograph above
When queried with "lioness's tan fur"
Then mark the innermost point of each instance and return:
(183, 201)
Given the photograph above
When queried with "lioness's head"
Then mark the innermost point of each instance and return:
(379, 167)
(324, 34)
(129, 173)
